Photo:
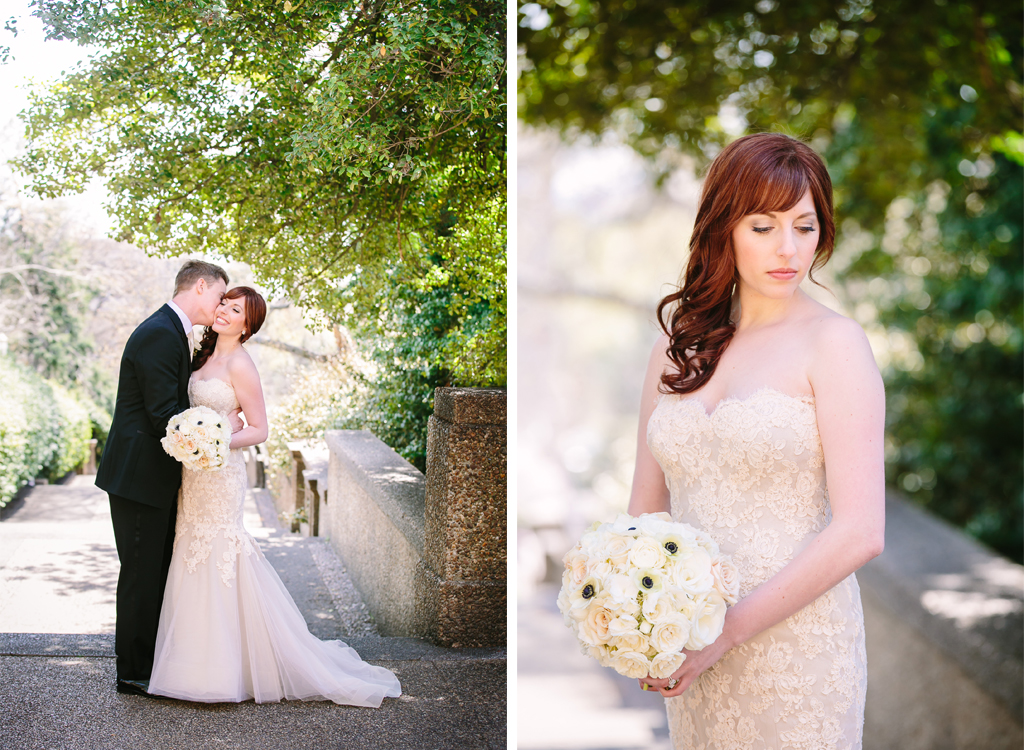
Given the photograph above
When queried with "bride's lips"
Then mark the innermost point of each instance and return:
(783, 274)
(220, 321)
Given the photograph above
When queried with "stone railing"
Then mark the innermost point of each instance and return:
(944, 619)
(427, 553)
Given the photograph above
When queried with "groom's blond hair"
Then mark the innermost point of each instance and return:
(193, 270)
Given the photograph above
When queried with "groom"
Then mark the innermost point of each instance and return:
(140, 478)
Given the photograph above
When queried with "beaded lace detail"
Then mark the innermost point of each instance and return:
(210, 504)
(752, 474)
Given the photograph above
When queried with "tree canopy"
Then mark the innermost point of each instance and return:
(917, 110)
(352, 153)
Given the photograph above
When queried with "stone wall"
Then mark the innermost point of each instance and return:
(427, 553)
(374, 519)
(465, 530)
(944, 619)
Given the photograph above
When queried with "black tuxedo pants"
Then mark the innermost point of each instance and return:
(144, 537)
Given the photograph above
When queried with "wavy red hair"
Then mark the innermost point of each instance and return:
(755, 174)
(255, 314)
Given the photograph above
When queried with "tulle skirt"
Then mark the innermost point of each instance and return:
(229, 642)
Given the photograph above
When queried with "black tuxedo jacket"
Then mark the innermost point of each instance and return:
(152, 387)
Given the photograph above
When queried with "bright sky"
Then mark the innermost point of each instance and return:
(36, 61)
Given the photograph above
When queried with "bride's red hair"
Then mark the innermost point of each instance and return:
(755, 174)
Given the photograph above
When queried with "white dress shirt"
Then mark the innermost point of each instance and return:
(186, 324)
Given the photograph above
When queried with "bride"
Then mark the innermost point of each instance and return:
(229, 630)
(753, 397)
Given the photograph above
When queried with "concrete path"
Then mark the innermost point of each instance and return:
(566, 701)
(58, 574)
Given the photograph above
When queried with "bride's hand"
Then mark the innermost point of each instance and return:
(236, 421)
(696, 662)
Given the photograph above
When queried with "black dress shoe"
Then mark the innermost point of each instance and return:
(136, 687)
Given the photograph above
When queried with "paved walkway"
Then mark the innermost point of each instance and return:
(566, 701)
(58, 573)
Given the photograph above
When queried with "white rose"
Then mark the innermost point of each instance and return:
(646, 553)
(631, 642)
(622, 625)
(693, 573)
(664, 665)
(670, 634)
(727, 579)
(707, 625)
(594, 629)
(615, 549)
(630, 664)
(576, 563)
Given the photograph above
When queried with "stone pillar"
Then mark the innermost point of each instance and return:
(464, 560)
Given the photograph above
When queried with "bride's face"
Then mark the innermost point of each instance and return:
(229, 320)
(775, 250)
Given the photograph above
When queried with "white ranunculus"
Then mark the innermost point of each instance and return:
(671, 633)
(707, 624)
(646, 553)
(621, 588)
(645, 628)
(707, 543)
(631, 664)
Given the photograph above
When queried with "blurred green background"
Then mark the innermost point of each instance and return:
(917, 110)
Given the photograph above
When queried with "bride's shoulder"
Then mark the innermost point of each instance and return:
(241, 367)
(838, 344)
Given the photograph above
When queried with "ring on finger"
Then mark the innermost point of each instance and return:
(671, 684)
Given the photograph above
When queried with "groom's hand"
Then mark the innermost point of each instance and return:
(236, 421)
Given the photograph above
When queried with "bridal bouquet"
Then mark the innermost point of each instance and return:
(200, 438)
(637, 591)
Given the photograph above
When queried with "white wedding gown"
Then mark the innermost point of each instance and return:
(229, 630)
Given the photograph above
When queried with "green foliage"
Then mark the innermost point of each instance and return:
(327, 144)
(917, 109)
(44, 308)
(44, 430)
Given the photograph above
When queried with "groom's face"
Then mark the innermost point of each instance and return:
(209, 299)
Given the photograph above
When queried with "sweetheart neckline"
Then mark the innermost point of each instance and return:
(763, 390)
(207, 380)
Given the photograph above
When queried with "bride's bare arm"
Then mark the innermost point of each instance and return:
(649, 493)
(850, 404)
(246, 381)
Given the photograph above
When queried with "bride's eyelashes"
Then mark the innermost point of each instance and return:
(765, 230)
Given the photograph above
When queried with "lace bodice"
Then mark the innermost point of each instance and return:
(211, 501)
(214, 393)
(751, 474)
